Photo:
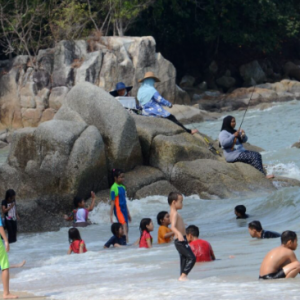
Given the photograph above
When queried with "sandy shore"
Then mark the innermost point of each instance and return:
(23, 295)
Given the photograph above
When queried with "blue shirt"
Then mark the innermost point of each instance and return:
(116, 240)
(154, 106)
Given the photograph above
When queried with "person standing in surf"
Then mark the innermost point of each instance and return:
(187, 257)
(9, 210)
(151, 101)
(232, 141)
(118, 201)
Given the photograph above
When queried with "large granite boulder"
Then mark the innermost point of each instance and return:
(218, 178)
(29, 97)
(117, 127)
(166, 151)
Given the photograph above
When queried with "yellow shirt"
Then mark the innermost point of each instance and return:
(162, 230)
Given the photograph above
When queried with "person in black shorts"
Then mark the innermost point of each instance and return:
(256, 231)
(281, 262)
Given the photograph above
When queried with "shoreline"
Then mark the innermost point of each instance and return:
(25, 295)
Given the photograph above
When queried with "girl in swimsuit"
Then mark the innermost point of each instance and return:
(77, 245)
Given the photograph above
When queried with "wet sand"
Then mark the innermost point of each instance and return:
(23, 295)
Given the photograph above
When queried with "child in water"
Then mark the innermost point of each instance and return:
(146, 226)
(240, 212)
(77, 244)
(187, 257)
(9, 210)
(80, 214)
(118, 239)
(118, 201)
(165, 234)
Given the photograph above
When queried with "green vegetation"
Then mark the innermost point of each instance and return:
(207, 27)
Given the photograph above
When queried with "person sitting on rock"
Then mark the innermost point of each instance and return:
(151, 101)
(256, 231)
(240, 212)
(232, 141)
(121, 90)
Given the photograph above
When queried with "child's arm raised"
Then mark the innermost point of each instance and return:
(91, 207)
(177, 233)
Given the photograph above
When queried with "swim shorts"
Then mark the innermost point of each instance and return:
(4, 264)
(277, 275)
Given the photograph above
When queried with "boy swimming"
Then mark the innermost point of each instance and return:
(165, 234)
(256, 231)
(281, 262)
(187, 257)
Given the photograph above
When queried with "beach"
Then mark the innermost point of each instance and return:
(133, 273)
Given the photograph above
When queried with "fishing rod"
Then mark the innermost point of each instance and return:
(247, 107)
(234, 141)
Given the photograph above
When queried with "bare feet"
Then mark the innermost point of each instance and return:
(270, 176)
(9, 296)
(183, 277)
(194, 131)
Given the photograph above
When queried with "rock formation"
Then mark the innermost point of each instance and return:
(31, 95)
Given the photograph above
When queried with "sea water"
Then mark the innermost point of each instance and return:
(133, 273)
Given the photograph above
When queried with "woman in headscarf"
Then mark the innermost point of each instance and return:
(232, 141)
(151, 101)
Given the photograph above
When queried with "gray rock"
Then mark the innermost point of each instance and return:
(218, 178)
(226, 82)
(149, 127)
(140, 177)
(187, 81)
(86, 168)
(3, 144)
(90, 68)
(280, 182)
(253, 71)
(213, 67)
(296, 145)
(117, 127)
(57, 96)
(159, 188)
(166, 151)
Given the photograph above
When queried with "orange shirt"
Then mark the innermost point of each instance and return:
(162, 230)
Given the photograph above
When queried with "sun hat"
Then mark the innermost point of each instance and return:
(120, 86)
(149, 75)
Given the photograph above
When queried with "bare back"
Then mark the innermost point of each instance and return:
(276, 259)
(177, 222)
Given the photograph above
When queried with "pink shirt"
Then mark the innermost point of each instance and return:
(143, 241)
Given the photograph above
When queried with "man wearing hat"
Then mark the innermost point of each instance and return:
(151, 101)
(121, 90)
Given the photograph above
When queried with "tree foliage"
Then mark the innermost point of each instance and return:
(205, 26)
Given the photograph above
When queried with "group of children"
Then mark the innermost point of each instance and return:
(186, 240)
